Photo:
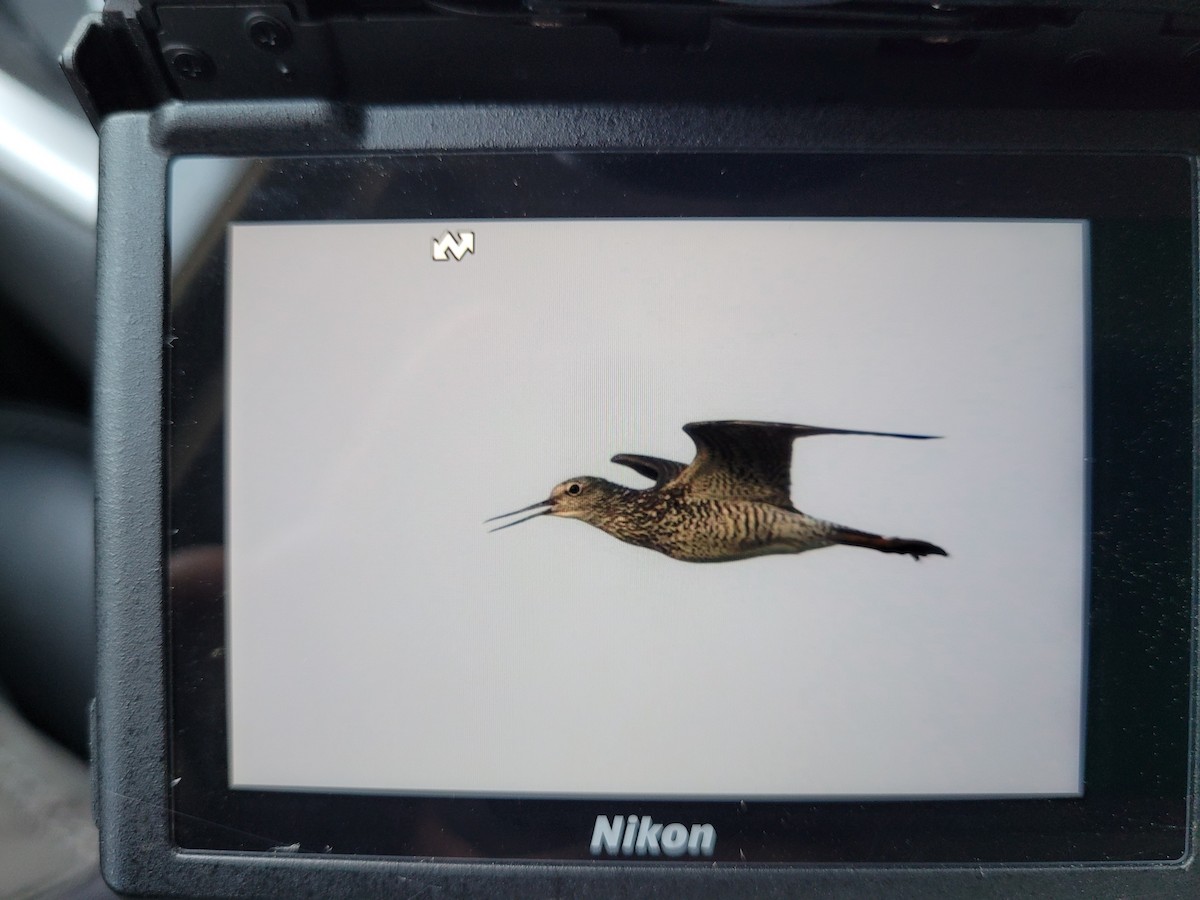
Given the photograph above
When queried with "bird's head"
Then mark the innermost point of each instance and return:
(576, 498)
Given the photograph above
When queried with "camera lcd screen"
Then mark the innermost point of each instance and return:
(794, 508)
(385, 397)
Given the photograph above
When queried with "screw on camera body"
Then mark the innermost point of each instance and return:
(190, 64)
(268, 33)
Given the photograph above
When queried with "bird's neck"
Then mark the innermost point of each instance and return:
(620, 510)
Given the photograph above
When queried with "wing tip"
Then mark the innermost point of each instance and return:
(804, 430)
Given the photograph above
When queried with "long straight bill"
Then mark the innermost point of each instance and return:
(544, 512)
(538, 505)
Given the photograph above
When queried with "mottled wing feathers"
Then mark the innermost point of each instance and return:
(660, 470)
(750, 460)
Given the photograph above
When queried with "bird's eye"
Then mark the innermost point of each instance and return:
(574, 488)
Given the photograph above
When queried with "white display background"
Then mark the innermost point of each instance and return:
(382, 405)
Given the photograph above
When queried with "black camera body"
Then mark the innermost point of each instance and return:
(358, 266)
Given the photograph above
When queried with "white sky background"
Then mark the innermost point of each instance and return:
(383, 405)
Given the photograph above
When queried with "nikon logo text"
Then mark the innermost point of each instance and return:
(641, 836)
(451, 245)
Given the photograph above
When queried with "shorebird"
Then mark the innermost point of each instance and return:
(733, 501)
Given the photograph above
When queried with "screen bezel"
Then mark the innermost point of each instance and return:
(1137, 736)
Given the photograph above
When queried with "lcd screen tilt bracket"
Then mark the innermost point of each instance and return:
(321, 672)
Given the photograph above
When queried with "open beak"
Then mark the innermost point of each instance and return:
(539, 505)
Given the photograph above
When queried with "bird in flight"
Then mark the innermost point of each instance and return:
(733, 501)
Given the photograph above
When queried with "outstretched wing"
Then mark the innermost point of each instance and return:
(660, 470)
(750, 460)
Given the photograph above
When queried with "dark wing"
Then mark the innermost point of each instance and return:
(660, 470)
(750, 460)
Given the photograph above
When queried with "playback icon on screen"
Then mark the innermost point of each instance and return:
(453, 244)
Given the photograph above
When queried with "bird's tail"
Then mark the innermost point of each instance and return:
(915, 549)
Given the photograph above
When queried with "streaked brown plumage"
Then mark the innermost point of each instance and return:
(732, 502)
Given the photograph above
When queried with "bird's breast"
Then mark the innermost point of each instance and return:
(712, 530)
